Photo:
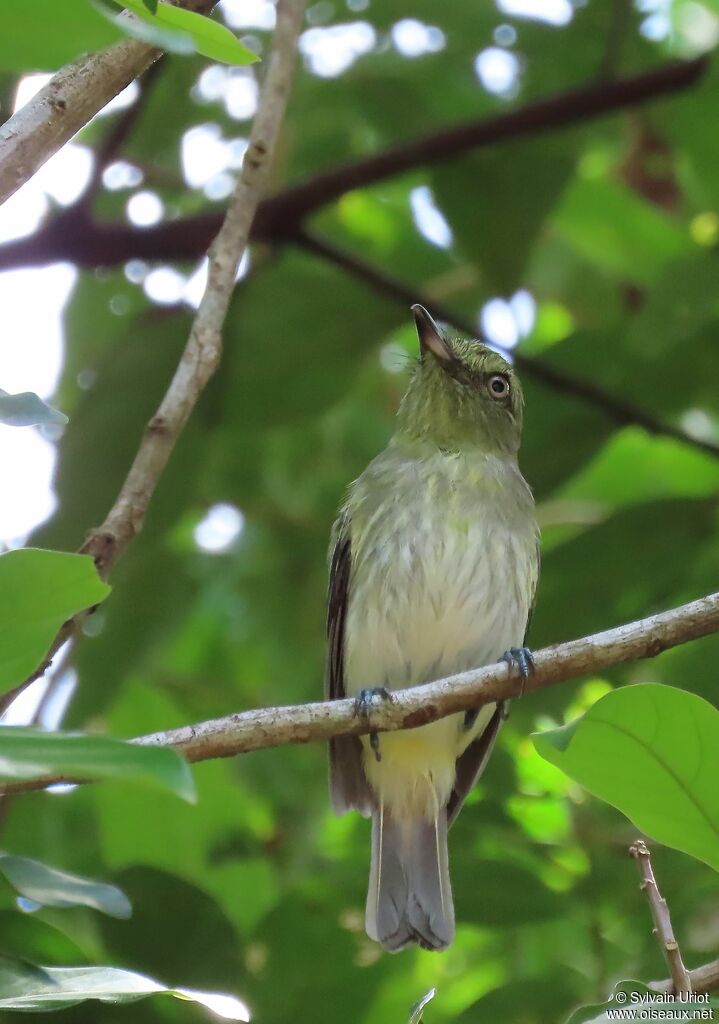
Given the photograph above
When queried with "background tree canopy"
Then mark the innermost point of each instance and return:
(584, 233)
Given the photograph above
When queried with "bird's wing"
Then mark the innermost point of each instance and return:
(348, 785)
(472, 762)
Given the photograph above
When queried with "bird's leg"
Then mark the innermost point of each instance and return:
(522, 659)
(365, 701)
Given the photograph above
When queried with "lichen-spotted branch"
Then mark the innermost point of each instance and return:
(272, 727)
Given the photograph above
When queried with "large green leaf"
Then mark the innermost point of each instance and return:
(653, 752)
(39, 590)
(29, 753)
(51, 887)
(27, 410)
(204, 35)
(25, 987)
(634, 466)
(618, 231)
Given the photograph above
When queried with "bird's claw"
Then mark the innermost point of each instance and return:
(365, 702)
(522, 659)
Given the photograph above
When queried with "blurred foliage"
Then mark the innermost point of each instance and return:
(606, 236)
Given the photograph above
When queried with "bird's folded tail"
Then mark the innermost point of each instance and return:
(410, 897)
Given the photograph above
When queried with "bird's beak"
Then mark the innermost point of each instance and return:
(430, 337)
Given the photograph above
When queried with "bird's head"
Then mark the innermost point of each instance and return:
(462, 394)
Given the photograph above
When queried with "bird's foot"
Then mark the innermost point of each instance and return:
(522, 659)
(366, 700)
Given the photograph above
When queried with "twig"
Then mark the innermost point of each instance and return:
(681, 982)
(67, 631)
(702, 979)
(615, 407)
(204, 346)
(272, 727)
(110, 244)
(69, 100)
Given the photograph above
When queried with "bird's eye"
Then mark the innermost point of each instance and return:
(498, 385)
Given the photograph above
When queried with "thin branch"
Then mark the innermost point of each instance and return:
(616, 408)
(69, 100)
(279, 216)
(419, 705)
(663, 929)
(204, 346)
(68, 631)
(702, 979)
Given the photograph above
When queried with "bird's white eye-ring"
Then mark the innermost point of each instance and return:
(498, 385)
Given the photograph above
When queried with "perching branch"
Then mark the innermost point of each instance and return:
(69, 100)
(419, 705)
(663, 929)
(204, 346)
(616, 408)
(281, 215)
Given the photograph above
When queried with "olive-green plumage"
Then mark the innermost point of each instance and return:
(434, 568)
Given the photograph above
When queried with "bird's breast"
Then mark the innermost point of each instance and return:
(436, 592)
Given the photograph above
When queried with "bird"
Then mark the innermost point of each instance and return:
(433, 567)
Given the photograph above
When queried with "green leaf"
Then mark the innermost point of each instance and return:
(151, 5)
(652, 751)
(54, 888)
(208, 37)
(27, 410)
(29, 754)
(415, 1015)
(25, 987)
(39, 590)
(619, 232)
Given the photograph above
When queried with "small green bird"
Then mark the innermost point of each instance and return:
(434, 565)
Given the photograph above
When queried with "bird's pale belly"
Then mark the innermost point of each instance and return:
(437, 602)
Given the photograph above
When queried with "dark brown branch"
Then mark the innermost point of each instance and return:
(578, 105)
(616, 408)
(419, 705)
(280, 216)
(662, 919)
